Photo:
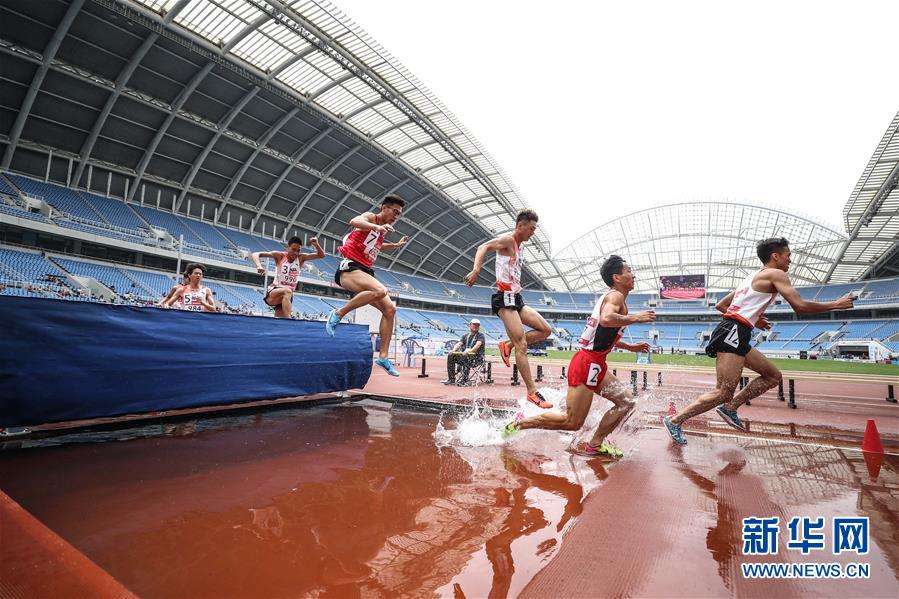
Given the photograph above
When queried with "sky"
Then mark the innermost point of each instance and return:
(598, 109)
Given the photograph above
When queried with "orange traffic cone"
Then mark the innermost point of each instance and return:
(871, 443)
(873, 461)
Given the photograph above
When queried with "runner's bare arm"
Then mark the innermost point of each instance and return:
(393, 246)
(494, 245)
(366, 222)
(782, 284)
(173, 298)
(208, 302)
(724, 303)
(611, 314)
(276, 256)
(319, 251)
(634, 347)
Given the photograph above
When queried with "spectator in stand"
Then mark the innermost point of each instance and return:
(468, 352)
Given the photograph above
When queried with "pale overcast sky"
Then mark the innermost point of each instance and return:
(597, 109)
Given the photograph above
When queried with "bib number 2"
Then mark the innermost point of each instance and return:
(593, 374)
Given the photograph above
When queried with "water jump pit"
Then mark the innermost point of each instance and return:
(410, 498)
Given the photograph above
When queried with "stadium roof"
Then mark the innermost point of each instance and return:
(285, 114)
(716, 239)
(872, 215)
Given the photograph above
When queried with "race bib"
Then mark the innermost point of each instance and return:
(733, 338)
(371, 244)
(593, 374)
(344, 264)
(509, 299)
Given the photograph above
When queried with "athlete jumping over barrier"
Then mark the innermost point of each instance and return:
(356, 274)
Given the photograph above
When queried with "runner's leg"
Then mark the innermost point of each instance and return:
(728, 367)
(287, 303)
(515, 331)
(540, 328)
(365, 289)
(388, 315)
(769, 378)
(623, 403)
(578, 401)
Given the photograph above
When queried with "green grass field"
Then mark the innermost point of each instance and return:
(782, 363)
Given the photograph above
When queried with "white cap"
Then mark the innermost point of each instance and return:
(475, 321)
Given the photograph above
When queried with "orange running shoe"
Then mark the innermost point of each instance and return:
(505, 352)
(538, 400)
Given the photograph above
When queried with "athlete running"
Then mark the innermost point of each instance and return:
(743, 309)
(507, 302)
(175, 289)
(356, 274)
(279, 295)
(193, 296)
(588, 372)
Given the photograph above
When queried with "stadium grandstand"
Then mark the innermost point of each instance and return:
(228, 450)
(203, 131)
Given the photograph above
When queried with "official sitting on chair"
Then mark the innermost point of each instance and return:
(468, 352)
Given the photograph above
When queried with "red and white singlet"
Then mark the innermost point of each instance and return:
(748, 304)
(287, 273)
(508, 271)
(192, 300)
(596, 338)
(362, 246)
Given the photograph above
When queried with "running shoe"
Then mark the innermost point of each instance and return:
(333, 321)
(512, 428)
(537, 399)
(675, 431)
(505, 352)
(387, 365)
(730, 416)
(611, 449)
(603, 451)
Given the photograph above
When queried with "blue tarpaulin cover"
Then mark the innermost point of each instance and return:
(63, 360)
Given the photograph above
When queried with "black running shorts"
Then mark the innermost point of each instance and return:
(729, 337)
(347, 265)
(506, 299)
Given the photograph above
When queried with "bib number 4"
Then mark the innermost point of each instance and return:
(733, 338)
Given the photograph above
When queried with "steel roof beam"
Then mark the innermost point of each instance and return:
(888, 185)
(260, 144)
(243, 33)
(323, 223)
(440, 242)
(290, 166)
(49, 54)
(222, 127)
(302, 204)
(329, 86)
(121, 82)
(160, 133)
